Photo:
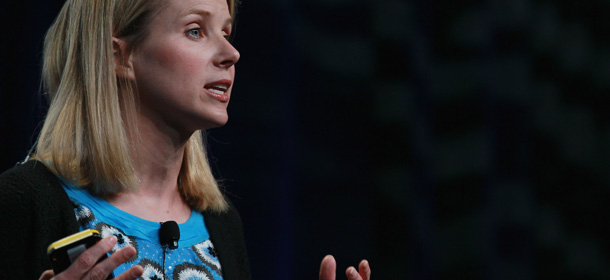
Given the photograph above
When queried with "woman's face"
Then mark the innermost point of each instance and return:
(184, 69)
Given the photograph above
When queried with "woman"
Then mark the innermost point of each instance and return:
(132, 85)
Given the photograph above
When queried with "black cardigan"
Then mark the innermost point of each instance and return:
(35, 211)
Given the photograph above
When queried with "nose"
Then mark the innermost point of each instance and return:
(227, 54)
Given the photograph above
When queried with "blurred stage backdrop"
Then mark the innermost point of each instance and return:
(438, 139)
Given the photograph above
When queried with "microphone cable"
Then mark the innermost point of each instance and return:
(169, 234)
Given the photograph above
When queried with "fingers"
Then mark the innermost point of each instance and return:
(352, 274)
(328, 268)
(104, 268)
(46, 275)
(86, 266)
(365, 270)
(131, 274)
(88, 259)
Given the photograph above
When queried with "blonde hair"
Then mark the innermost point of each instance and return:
(84, 138)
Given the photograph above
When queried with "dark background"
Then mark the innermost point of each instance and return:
(438, 139)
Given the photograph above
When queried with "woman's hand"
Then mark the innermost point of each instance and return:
(329, 266)
(86, 266)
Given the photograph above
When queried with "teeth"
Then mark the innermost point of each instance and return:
(215, 90)
(220, 89)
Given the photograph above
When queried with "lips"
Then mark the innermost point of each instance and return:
(218, 90)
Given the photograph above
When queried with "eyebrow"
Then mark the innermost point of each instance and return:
(197, 11)
(203, 13)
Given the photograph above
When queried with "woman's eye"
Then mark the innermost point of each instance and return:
(226, 35)
(195, 33)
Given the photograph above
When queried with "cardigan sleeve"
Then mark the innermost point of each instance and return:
(34, 211)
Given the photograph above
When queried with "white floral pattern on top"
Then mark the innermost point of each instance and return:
(195, 262)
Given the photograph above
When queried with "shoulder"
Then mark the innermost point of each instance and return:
(229, 217)
(28, 182)
(38, 211)
(31, 194)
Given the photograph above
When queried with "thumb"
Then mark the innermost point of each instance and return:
(328, 268)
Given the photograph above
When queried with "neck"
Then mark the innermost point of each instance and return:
(157, 155)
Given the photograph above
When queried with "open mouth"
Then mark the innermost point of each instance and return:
(217, 88)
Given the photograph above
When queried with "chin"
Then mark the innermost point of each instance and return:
(215, 122)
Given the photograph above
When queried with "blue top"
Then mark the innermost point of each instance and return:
(195, 257)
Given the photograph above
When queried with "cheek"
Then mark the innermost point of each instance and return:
(170, 73)
(173, 61)
(175, 58)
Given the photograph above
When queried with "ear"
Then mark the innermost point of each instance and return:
(122, 60)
